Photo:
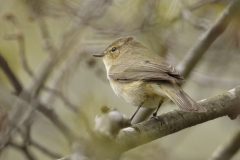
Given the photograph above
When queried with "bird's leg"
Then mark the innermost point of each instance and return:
(154, 114)
(135, 113)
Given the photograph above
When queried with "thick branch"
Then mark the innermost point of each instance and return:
(225, 104)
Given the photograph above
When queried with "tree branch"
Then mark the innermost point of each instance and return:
(228, 148)
(65, 158)
(227, 103)
(203, 79)
(10, 75)
(19, 36)
(43, 149)
(29, 155)
(47, 111)
(201, 3)
(205, 41)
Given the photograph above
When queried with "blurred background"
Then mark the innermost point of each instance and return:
(48, 45)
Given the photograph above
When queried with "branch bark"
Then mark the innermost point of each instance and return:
(227, 103)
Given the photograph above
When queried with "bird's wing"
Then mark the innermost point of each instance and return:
(147, 70)
(180, 98)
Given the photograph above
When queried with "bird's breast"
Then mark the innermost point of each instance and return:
(136, 93)
(129, 91)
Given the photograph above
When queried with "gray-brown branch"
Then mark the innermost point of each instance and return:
(11, 76)
(226, 104)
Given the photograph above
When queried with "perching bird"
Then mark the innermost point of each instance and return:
(142, 78)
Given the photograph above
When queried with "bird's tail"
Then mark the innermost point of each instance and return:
(180, 98)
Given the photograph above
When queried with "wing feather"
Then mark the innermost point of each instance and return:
(148, 70)
(180, 98)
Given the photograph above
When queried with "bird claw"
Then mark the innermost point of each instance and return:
(153, 116)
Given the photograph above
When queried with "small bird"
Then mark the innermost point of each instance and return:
(142, 78)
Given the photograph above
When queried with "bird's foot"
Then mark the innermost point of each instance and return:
(154, 116)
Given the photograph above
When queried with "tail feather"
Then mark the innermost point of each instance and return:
(180, 98)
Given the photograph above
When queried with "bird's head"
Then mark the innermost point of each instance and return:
(115, 49)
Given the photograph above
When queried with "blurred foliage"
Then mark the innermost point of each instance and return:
(79, 28)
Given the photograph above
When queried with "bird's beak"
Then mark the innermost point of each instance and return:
(98, 55)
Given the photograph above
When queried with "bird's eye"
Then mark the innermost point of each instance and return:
(113, 49)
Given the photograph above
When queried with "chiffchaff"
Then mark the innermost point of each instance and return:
(142, 78)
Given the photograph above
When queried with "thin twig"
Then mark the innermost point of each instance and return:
(228, 148)
(47, 111)
(20, 37)
(5, 125)
(29, 155)
(50, 114)
(37, 9)
(73, 59)
(201, 3)
(10, 75)
(18, 123)
(25, 128)
(212, 80)
(47, 42)
(63, 69)
(29, 141)
(196, 22)
(26, 120)
(65, 158)
(191, 8)
(62, 97)
(45, 150)
(21, 41)
(201, 46)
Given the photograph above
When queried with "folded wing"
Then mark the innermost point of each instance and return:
(147, 70)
